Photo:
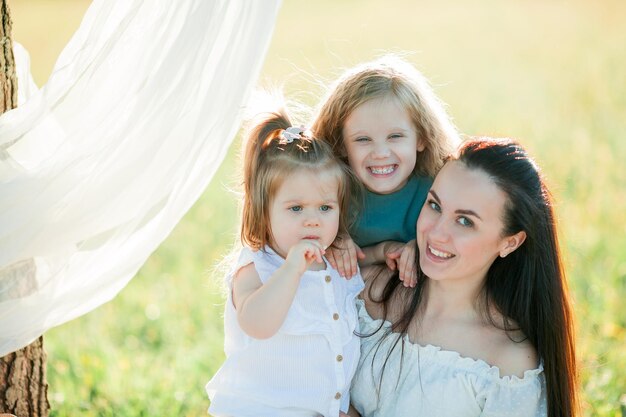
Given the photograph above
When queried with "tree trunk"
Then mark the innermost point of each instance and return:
(8, 80)
(23, 386)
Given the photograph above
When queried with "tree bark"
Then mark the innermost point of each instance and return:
(8, 79)
(23, 385)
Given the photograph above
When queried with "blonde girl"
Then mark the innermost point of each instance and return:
(384, 121)
(290, 319)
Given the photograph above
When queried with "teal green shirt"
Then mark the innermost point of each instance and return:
(390, 216)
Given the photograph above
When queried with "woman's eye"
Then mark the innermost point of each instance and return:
(295, 208)
(433, 205)
(396, 136)
(362, 139)
(464, 221)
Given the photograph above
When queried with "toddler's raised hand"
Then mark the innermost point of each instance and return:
(304, 253)
(403, 259)
(343, 255)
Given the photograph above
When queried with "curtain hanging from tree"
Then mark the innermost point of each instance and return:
(98, 166)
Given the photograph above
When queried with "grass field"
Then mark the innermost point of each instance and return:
(549, 73)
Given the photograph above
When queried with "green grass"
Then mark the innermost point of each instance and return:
(550, 74)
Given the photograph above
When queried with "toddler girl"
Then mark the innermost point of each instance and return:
(290, 319)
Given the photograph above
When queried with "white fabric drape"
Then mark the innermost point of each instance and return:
(98, 166)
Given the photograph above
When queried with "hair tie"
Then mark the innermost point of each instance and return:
(291, 133)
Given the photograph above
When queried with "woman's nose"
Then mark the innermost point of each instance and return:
(439, 231)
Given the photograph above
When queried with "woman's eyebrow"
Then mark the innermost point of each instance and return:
(435, 196)
(468, 212)
(460, 211)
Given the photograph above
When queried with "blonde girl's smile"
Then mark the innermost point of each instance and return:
(384, 170)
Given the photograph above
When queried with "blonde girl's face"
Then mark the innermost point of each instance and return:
(381, 144)
(306, 206)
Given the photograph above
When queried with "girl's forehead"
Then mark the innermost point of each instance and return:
(309, 181)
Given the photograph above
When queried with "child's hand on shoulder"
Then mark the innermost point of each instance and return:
(304, 253)
(402, 258)
(343, 255)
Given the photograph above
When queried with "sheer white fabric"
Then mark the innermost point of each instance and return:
(98, 166)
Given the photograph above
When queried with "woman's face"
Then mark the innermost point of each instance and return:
(459, 228)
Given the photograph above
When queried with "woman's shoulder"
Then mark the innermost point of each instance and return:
(510, 351)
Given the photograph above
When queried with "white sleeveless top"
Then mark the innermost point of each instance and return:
(305, 369)
(437, 383)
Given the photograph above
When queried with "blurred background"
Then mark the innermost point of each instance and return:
(548, 73)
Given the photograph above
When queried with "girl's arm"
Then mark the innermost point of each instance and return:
(262, 308)
(377, 254)
(344, 256)
(397, 255)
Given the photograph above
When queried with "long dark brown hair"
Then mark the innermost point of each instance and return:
(528, 287)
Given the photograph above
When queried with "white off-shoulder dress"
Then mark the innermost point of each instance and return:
(432, 382)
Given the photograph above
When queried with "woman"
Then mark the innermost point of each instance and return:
(488, 330)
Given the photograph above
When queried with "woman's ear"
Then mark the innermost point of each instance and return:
(510, 243)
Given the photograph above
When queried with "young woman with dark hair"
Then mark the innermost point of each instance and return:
(488, 329)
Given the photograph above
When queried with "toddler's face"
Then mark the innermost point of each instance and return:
(306, 206)
(381, 144)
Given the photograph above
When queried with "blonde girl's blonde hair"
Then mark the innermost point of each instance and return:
(268, 160)
(389, 77)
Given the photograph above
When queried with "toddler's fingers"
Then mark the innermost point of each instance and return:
(319, 254)
(313, 252)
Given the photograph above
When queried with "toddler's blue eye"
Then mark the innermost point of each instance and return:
(296, 208)
(325, 207)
